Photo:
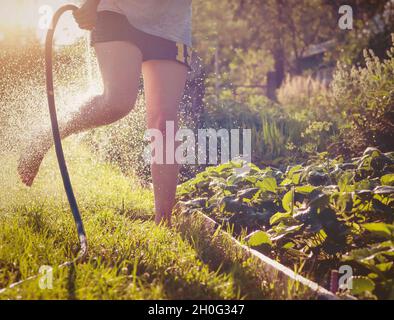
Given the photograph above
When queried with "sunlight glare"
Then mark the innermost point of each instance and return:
(34, 15)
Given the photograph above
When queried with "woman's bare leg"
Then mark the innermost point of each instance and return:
(164, 83)
(120, 66)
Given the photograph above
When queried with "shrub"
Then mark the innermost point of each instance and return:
(305, 98)
(365, 96)
(272, 128)
(300, 125)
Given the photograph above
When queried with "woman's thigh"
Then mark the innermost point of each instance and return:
(164, 84)
(120, 66)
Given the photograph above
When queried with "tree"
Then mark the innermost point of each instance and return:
(286, 28)
(252, 43)
(373, 25)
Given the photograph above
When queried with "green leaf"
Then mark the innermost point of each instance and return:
(387, 180)
(345, 182)
(288, 245)
(278, 217)
(384, 267)
(293, 170)
(361, 285)
(287, 201)
(286, 182)
(268, 184)
(258, 238)
(296, 178)
(225, 166)
(306, 189)
(380, 229)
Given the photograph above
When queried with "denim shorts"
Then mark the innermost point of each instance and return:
(113, 26)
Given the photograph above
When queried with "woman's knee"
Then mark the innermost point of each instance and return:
(119, 105)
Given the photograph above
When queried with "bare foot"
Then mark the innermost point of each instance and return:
(31, 158)
(163, 221)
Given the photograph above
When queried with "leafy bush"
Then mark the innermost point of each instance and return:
(315, 217)
(306, 99)
(271, 128)
(365, 97)
(358, 106)
(280, 134)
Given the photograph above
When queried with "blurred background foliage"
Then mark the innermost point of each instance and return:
(282, 68)
(286, 70)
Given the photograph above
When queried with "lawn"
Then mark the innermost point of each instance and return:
(129, 256)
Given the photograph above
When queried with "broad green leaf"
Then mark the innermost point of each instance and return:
(224, 167)
(294, 169)
(387, 180)
(384, 267)
(258, 238)
(380, 229)
(361, 285)
(306, 189)
(287, 201)
(288, 245)
(296, 178)
(279, 216)
(286, 182)
(345, 182)
(268, 184)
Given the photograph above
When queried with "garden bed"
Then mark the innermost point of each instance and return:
(268, 270)
(315, 218)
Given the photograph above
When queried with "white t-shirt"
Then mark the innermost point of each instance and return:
(168, 19)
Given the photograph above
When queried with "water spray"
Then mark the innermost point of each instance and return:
(55, 130)
(58, 147)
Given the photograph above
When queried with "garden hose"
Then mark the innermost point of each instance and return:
(56, 134)
(58, 147)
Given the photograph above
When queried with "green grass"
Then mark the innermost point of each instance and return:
(129, 256)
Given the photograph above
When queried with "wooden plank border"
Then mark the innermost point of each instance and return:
(272, 269)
